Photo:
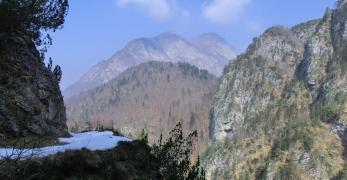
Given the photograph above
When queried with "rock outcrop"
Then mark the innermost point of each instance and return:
(280, 110)
(30, 99)
(208, 51)
(152, 96)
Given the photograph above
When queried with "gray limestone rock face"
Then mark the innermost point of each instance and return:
(31, 103)
(286, 76)
(252, 73)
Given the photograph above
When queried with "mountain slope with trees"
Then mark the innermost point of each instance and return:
(280, 111)
(152, 96)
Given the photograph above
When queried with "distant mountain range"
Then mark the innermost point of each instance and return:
(208, 51)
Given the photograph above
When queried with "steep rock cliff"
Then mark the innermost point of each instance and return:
(280, 111)
(30, 99)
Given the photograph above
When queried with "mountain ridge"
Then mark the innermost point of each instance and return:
(166, 47)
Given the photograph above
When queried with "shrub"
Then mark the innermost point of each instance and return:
(307, 141)
(328, 112)
(174, 156)
(294, 132)
(288, 172)
(130, 160)
(170, 160)
(342, 174)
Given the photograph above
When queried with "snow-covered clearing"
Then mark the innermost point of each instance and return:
(92, 140)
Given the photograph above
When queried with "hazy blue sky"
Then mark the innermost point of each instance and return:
(96, 29)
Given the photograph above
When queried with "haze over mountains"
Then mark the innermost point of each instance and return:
(208, 51)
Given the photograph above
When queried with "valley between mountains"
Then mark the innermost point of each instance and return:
(277, 111)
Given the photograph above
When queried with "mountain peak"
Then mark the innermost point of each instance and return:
(167, 35)
(138, 42)
(209, 52)
(210, 36)
(215, 45)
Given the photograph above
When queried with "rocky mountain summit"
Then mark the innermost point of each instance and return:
(207, 51)
(30, 99)
(281, 108)
(153, 97)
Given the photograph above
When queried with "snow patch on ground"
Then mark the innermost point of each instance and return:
(92, 140)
